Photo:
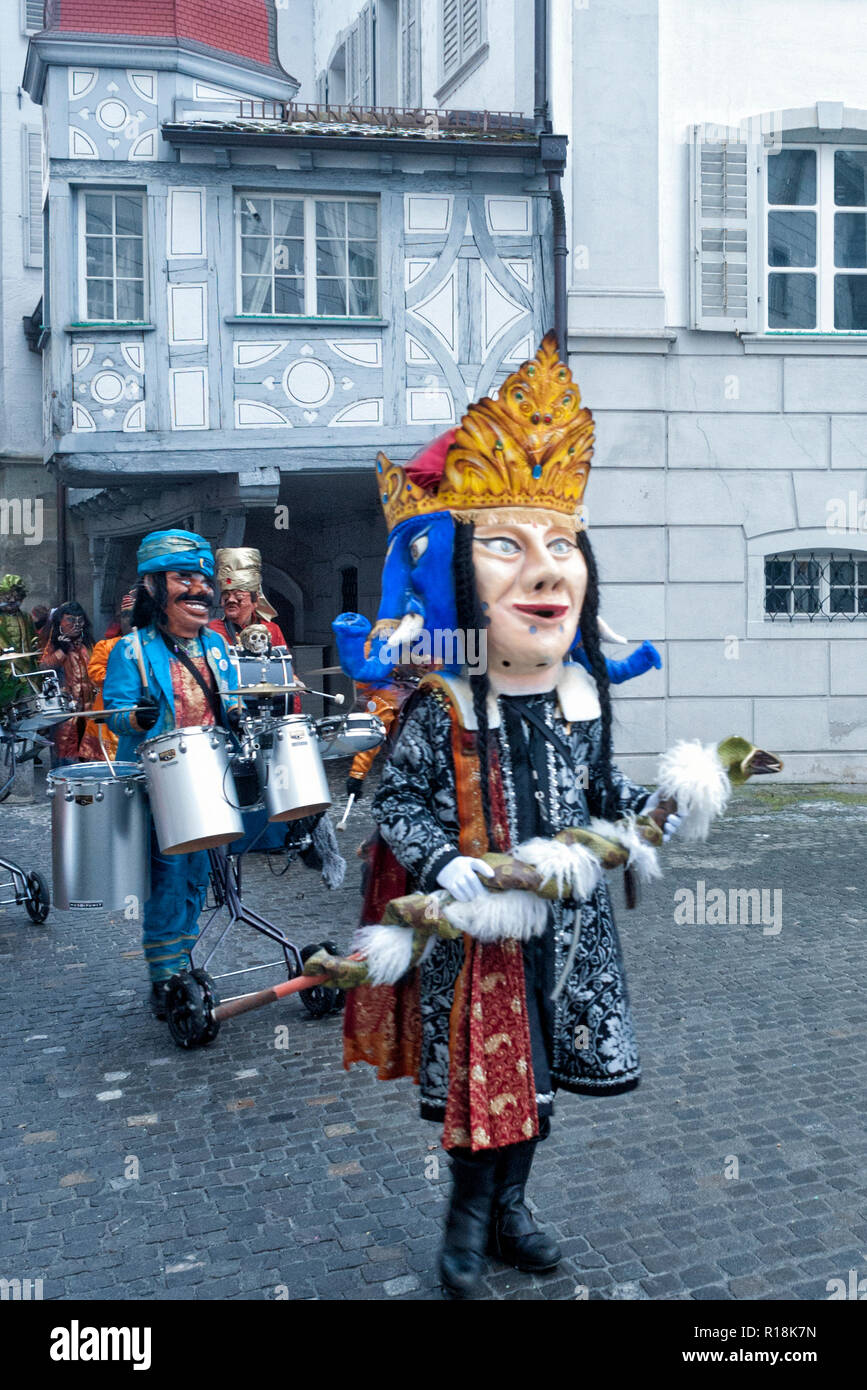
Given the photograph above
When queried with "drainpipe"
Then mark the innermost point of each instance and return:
(552, 154)
(540, 49)
(62, 584)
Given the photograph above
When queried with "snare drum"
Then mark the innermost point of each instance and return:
(100, 836)
(34, 712)
(194, 801)
(344, 735)
(294, 781)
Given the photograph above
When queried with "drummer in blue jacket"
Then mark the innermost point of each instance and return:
(173, 671)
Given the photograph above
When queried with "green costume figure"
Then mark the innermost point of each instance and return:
(16, 631)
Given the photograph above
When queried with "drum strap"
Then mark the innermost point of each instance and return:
(211, 695)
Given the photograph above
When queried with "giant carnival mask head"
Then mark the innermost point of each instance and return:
(516, 468)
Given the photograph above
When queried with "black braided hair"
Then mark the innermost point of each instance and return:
(150, 608)
(470, 618)
(590, 637)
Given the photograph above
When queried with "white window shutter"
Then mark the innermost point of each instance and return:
(351, 52)
(33, 16)
(322, 89)
(365, 56)
(410, 53)
(471, 27)
(32, 195)
(723, 190)
(451, 36)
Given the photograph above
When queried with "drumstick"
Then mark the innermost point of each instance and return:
(99, 732)
(140, 661)
(341, 825)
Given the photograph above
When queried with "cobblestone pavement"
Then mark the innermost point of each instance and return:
(258, 1168)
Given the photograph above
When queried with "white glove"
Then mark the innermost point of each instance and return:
(672, 822)
(460, 877)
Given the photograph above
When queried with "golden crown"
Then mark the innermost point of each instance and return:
(528, 450)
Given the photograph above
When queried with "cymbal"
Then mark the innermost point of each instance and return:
(265, 688)
(20, 656)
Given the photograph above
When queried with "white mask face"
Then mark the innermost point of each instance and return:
(531, 582)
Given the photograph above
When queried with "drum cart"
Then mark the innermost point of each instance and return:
(194, 1009)
(27, 889)
(193, 1000)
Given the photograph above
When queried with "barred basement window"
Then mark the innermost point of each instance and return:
(816, 585)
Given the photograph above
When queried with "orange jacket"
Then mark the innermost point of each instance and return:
(89, 750)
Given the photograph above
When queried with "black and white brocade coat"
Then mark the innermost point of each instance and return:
(593, 1042)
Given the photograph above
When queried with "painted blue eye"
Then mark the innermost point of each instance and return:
(418, 546)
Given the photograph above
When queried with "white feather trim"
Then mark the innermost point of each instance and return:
(513, 914)
(387, 952)
(574, 868)
(642, 856)
(691, 773)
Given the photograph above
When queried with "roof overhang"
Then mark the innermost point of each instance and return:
(263, 134)
(164, 54)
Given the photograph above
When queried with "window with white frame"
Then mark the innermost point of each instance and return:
(816, 239)
(816, 585)
(462, 22)
(315, 257)
(112, 257)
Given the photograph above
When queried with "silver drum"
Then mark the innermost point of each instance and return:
(34, 712)
(100, 837)
(344, 735)
(194, 800)
(293, 776)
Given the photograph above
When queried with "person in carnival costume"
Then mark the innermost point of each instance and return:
(68, 651)
(239, 583)
(491, 760)
(173, 671)
(17, 633)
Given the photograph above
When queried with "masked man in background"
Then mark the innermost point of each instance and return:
(16, 632)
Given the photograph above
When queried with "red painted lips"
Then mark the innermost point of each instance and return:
(545, 612)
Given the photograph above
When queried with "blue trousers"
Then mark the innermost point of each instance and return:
(171, 914)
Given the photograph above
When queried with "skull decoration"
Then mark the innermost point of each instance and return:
(256, 640)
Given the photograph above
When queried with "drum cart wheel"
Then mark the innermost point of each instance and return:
(27, 889)
(191, 1000)
(38, 902)
(321, 1000)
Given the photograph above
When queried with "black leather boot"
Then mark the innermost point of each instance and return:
(514, 1235)
(462, 1260)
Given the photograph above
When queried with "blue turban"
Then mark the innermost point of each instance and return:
(175, 550)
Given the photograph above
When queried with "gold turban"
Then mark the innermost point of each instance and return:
(241, 568)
